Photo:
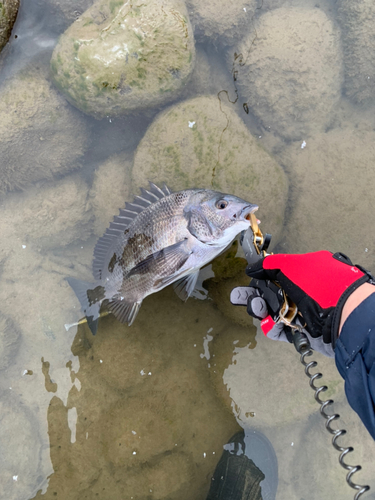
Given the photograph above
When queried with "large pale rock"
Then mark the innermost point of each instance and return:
(8, 14)
(110, 190)
(20, 449)
(202, 143)
(49, 215)
(219, 20)
(289, 71)
(121, 56)
(251, 376)
(41, 136)
(357, 20)
(332, 181)
(9, 341)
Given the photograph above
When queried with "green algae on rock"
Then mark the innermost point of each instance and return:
(203, 143)
(8, 14)
(124, 56)
(41, 136)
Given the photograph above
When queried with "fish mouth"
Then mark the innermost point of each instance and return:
(248, 210)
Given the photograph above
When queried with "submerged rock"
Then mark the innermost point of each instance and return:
(8, 14)
(332, 181)
(110, 190)
(60, 14)
(219, 20)
(9, 341)
(50, 215)
(41, 136)
(357, 20)
(119, 57)
(289, 70)
(203, 143)
(20, 449)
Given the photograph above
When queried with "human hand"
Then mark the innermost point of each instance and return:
(318, 283)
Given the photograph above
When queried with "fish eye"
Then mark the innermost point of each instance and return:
(221, 204)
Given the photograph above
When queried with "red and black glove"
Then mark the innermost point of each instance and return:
(318, 283)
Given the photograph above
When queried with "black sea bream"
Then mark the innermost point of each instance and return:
(159, 239)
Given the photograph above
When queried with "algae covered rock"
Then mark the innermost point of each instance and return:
(50, 215)
(8, 14)
(41, 136)
(203, 143)
(328, 212)
(110, 190)
(357, 20)
(289, 70)
(124, 56)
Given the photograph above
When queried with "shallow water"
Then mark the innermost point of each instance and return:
(144, 412)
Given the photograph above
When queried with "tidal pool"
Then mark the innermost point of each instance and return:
(278, 107)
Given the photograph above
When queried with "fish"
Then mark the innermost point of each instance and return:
(159, 239)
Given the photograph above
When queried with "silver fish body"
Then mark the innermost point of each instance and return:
(159, 239)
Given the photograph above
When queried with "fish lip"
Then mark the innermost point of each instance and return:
(246, 211)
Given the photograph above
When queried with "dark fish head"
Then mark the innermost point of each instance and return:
(219, 217)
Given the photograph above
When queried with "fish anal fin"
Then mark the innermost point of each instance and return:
(124, 311)
(185, 286)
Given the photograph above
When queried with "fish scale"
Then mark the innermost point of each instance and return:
(159, 239)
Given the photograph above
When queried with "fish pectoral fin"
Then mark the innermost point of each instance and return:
(167, 261)
(185, 286)
(125, 312)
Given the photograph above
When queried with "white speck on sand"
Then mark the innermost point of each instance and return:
(244, 9)
(72, 422)
(292, 444)
(209, 330)
(191, 124)
(134, 452)
(100, 361)
(206, 341)
(23, 246)
(204, 455)
(142, 372)
(15, 478)
(303, 145)
(134, 433)
(149, 373)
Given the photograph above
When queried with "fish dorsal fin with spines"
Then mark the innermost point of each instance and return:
(105, 245)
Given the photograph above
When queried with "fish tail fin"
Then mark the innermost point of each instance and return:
(125, 312)
(90, 297)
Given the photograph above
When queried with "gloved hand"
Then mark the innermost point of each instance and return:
(318, 283)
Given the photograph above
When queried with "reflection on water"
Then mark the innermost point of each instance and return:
(144, 412)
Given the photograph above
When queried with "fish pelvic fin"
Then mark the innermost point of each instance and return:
(185, 286)
(90, 297)
(125, 312)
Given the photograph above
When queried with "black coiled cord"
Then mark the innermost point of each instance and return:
(305, 350)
